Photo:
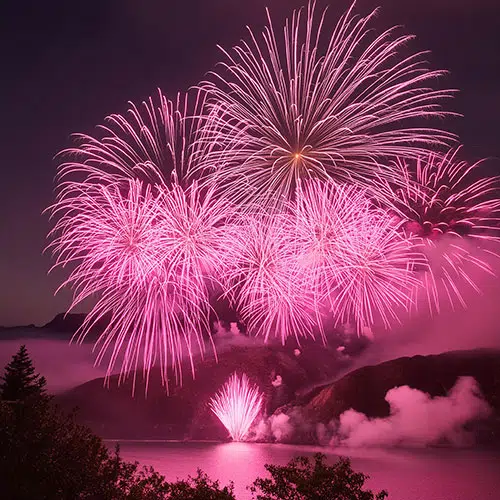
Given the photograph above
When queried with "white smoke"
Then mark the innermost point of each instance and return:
(234, 328)
(225, 338)
(276, 428)
(281, 427)
(277, 382)
(416, 419)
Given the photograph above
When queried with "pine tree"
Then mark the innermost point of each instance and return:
(20, 381)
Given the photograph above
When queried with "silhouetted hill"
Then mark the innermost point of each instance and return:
(113, 412)
(65, 322)
(364, 389)
(66, 325)
(185, 414)
(13, 332)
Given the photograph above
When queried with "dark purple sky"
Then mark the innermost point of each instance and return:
(66, 65)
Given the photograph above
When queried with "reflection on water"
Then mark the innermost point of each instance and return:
(438, 474)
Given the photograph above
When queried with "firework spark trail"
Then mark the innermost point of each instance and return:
(292, 111)
(236, 405)
(160, 142)
(378, 272)
(455, 211)
(323, 212)
(266, 282)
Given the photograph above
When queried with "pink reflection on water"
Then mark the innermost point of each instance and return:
(426, 474)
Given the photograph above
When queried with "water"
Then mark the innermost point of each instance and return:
(428, 474)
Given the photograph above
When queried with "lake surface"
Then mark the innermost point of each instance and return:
(427, 474)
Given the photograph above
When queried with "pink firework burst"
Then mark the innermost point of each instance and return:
(113, 231)
(322, 104)
(266, 282)
(148, 249)
(378, 274)
(322, 213)
(236, 405)
(110, 237)
(455, 210)
(160, 141)
(358, 264)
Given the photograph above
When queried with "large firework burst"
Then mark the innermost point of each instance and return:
(321, 104)
(160, 141)
(151, 260)
(455, 210)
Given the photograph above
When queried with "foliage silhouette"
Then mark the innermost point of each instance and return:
(20, 380)
(304, 479)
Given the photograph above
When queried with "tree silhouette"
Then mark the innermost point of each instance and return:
(306, 479)
(20, 381)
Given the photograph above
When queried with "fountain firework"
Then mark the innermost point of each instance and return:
(236, 405)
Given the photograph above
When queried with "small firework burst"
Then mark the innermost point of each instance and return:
(455, 211)
(236, 405)
(160, 142)
(442, 195)
(266, 282)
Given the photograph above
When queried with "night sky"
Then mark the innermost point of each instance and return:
(66, 65)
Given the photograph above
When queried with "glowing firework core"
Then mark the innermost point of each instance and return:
(236, 405)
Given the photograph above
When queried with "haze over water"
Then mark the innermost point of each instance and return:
(422, 474)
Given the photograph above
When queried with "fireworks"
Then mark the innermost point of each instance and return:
(323, 215)
(322, 104)
(377, 275)
(294, 183)
(160, 142)
(454, 210)
(441, 196)
(152, 260)
(358, 261)
(237, 405)
(265, 279)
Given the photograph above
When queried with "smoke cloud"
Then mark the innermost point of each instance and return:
(416, 419)
(276, 428)
(281, 428)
